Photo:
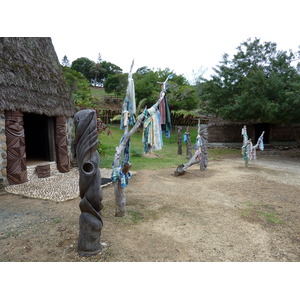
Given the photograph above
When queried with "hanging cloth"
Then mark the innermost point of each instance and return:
(165, 117)
(130, 93)
(117, 172)
(127, 117)
(152, 131)
(185, 138)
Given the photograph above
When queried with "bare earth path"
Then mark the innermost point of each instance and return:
(227, 213)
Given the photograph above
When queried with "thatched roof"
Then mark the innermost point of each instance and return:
(31, 78)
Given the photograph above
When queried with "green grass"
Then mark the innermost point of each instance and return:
(167, 157)
(261, 212)
(97, 91)
(131, 217)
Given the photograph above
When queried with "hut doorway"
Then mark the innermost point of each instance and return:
(259, 128)
(39, 138)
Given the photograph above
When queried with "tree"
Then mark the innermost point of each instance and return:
(181, 95)
(79, 87)
(260, 83)
(99, 74)
(116, 84)
(65, 62)
(111, 69)
(99, 60)
(84, 66)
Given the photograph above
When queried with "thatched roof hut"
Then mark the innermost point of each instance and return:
(31, 78)
(36, 108)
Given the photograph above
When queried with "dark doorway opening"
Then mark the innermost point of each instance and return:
(39, 137)
(259, 128)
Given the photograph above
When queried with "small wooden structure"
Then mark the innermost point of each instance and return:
(36, 108)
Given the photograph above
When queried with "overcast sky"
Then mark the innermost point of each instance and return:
(185, 36)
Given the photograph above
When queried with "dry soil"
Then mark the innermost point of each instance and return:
(228, 213)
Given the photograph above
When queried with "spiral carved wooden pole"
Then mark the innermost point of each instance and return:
(90, 221)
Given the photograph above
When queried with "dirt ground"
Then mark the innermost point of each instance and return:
(228, 213)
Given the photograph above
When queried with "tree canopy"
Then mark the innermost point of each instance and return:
(260, 83)
(97, 72)
(79, 87)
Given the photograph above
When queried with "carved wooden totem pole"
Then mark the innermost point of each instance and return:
(62, 145)
(179, 140)
(90, 222)
(15, 141)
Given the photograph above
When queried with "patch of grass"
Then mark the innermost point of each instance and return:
(270, 217)
(96, 91)
(261, 212)
(131, 217)
(167, 157)
(56, 220)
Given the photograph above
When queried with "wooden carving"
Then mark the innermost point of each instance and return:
(62, 157)
(179, 140)
(15, 142)
(90, 222)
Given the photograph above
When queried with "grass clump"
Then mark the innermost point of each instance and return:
(262, 213)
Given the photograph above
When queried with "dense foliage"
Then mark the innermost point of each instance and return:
(95, 72)
(259, 83)
(79, 87)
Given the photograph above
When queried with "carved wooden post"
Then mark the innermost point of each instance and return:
(179, 140)
(15, 141)
(90, 222)
(62, 156)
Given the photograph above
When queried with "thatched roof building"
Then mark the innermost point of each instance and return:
(31, 78)
(36, 108)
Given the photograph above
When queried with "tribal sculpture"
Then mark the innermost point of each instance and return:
(62, 145)
(90, 222)
(15, 141)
